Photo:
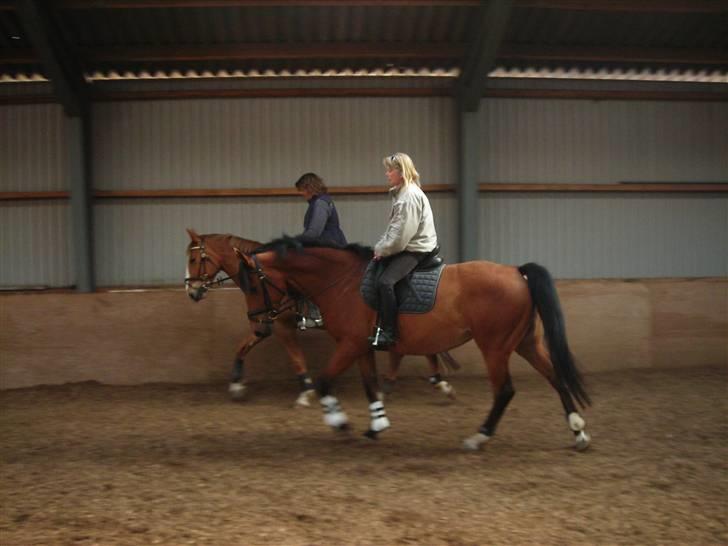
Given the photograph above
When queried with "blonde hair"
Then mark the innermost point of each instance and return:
(404, 164)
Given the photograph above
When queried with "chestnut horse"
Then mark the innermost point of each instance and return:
(207, 255)
(496, 305)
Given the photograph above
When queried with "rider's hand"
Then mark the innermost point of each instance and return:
(376, 258)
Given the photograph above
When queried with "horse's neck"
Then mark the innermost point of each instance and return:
(318, 271)
(245, 245)
(224, 247)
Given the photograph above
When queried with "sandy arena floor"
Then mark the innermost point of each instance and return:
(169, 464)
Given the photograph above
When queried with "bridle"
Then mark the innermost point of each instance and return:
(202, 276)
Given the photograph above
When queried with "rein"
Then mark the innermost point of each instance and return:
(271, 311)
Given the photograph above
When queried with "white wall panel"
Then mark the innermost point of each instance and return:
(608, 235)
(254, 143)
(36, 244)
(578, 141)
(33, 155)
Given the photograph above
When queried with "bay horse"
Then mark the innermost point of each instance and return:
(207, 255)
(497, 306)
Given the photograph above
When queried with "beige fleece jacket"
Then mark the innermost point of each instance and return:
(411, 225)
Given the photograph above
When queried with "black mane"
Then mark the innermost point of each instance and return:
(285, 243)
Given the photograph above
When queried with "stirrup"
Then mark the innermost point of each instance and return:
(382, 340)
(306, 322)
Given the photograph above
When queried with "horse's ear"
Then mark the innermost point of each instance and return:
(193, 235)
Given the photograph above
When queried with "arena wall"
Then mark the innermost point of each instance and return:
(132, 337)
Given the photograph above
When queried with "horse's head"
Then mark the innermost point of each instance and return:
(203, 265)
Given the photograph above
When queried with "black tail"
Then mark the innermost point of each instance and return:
(543, 293)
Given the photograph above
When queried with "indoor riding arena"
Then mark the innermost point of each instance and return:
(163, 379)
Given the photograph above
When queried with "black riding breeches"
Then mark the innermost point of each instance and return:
(396, 268)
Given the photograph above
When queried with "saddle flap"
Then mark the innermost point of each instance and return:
(416, 293)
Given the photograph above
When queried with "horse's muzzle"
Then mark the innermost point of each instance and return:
(196, 293)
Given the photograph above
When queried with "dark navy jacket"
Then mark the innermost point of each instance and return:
(322, 221)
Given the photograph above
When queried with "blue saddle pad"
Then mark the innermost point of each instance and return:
(415, 293)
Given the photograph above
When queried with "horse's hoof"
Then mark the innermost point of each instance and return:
(237, 391)
(304, 399)
(475, 442)
(582, 441)
(343, 427)
(447, 389)
(371, 434)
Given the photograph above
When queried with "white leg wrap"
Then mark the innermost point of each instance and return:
(333, 416)
(379, 417)
(475, 442)
(576, 423)
(237, 391)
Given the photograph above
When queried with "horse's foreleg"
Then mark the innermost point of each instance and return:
(436, 379)
(379, 420)
(237, 388)
(343, 357)
(500, 379)
(286, 332)
(534, 351)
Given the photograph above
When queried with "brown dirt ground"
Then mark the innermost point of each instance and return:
(172, 464)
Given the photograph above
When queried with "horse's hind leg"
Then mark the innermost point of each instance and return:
(503, 391)
(534, 351)
(390, 376)
(436, 379)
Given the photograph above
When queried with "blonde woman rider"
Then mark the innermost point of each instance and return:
(409, 238)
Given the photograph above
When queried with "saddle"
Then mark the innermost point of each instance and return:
(415, 293)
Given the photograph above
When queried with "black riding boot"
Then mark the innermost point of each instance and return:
(386, 334)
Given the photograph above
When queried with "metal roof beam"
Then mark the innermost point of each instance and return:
(336, 50)
(66, 77)
(644, 6)
(256, 51)
(141, 4)
(491, 27)
(613, 54)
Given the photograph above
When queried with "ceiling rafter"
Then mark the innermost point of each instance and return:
(52, 51)
(491, 24)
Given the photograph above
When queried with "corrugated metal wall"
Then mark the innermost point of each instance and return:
(563, 141)
(268, 142)
(33, 154)
(35, 241)
(34, 236)
(253, 143)
(608, 235)
(144, 242)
